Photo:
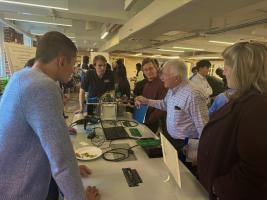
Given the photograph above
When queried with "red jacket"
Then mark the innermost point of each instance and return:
(232, 154)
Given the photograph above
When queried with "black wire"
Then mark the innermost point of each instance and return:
(124, 156)
(98, 140)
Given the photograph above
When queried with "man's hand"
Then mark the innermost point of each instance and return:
(92, 193)
(84, 171)
(140, 100)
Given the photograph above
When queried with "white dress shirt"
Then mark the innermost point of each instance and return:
(187, 112)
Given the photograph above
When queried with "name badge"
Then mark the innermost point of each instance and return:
(106, 81)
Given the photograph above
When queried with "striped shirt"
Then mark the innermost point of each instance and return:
(187, 112)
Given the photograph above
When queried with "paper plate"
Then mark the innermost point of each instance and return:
(88, 153)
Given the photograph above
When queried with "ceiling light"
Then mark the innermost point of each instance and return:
(138, 54)
(221, 42)
(32, 4)
(38, 22)
(187, 48)
(170, 50)
(170, 57)
(104, 35)
(157, 55)
(205, 57)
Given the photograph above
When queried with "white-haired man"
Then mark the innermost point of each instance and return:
(187, 112)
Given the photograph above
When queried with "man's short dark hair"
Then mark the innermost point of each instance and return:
(53, 44)
(203, 63)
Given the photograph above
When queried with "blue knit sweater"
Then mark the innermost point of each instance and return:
(34, 140)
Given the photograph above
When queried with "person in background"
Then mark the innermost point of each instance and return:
(85, 65)
(122, 85)
(139, 74)
(217, 86)
(232, 159)
(139, 86)
(108, 68)
(28, 133)
(29, 63)
(219, 71)
(194, 72)
(200, 79)
(96, 82)
(153, 89)
(187, 112)
(91, 67)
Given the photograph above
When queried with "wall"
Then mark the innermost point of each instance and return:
(130, 63)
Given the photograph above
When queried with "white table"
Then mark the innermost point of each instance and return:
(109, 179)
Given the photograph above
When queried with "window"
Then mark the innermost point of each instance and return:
(27, 41)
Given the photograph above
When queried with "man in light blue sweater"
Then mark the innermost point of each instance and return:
(34, 138)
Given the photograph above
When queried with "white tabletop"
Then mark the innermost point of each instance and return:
(109, 179)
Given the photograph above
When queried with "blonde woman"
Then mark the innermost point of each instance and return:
(232, 155)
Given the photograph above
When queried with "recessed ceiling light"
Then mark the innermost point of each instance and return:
(221, 42)
(104, 35)
(188, 48)
(170, 50)
(33, 5)
(38, 22)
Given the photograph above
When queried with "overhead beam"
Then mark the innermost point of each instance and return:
(16, 28)
(146, 17)
(128, 4)
(38, 19)
(52, 4)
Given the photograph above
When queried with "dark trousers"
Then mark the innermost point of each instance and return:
(53, 193)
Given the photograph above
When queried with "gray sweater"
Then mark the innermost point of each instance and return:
(34, 140)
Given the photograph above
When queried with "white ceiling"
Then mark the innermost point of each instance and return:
(148, 25)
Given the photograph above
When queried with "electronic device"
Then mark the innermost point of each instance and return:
(132, 177)
(108, 111)
(135, 132)
(115, 133)
(151, 146)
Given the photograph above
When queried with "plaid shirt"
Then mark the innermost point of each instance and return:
(187, 112)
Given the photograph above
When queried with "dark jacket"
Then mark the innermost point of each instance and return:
(232, 154)
(154, 90)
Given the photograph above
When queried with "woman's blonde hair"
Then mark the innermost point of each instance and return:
(248, 61)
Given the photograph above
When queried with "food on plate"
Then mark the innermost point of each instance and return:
(84, 155)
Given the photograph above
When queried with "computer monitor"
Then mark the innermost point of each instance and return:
(170, 158)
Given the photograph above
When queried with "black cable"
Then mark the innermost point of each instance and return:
(124, 156)
(98, 140)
